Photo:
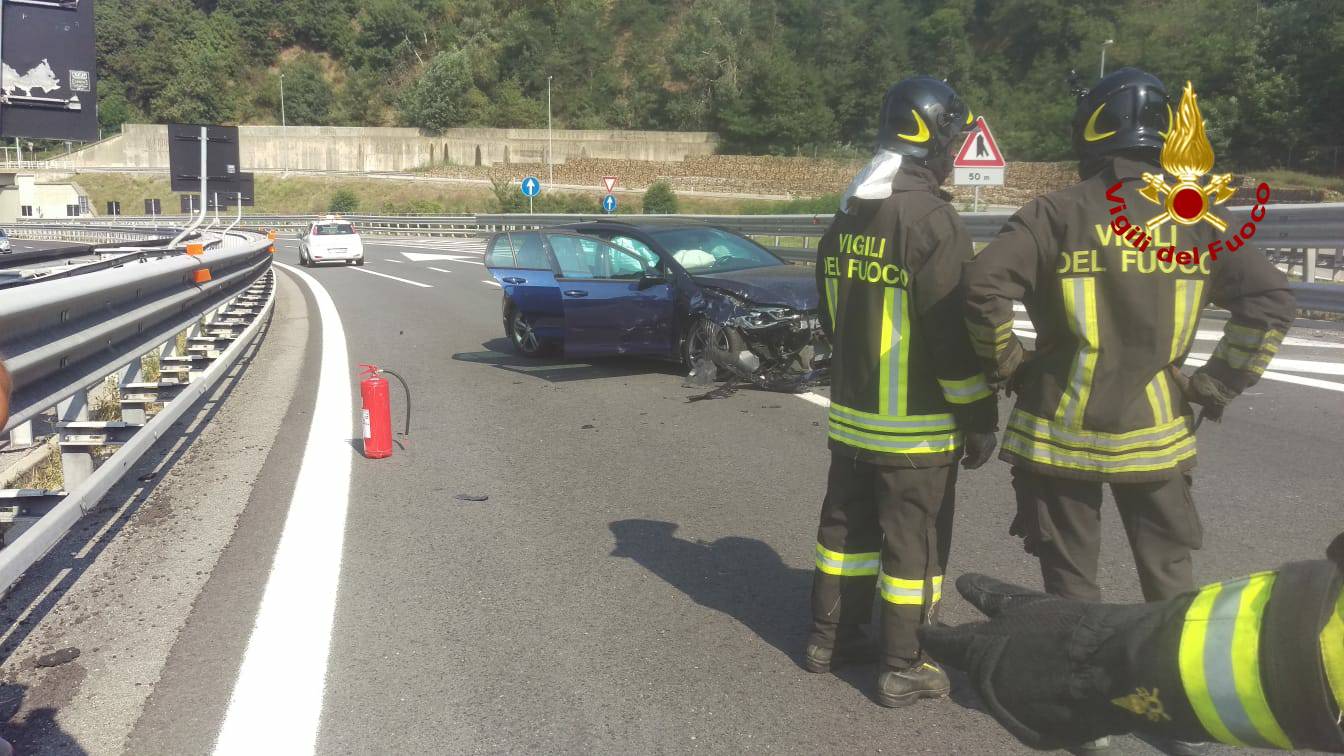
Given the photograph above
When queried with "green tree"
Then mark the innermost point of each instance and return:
(440, 98)
(779, 109)
(659, 198)
(309, 98)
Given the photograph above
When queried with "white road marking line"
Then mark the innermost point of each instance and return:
(1297, 366)
(394, 278)
(426, 257)
(280, 685)
(1300, 380)
(398, 262)
(1025, 328)
(815, 398)
(441, 270)
(492, 283)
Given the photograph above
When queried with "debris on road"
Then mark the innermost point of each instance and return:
(57, 658)
(472, 497)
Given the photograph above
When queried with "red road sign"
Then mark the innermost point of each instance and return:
(979, 150)
(610, 183)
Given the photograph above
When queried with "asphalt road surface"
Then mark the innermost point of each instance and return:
(636, 582)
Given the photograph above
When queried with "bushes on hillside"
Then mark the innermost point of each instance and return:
(659, 198)
(343, 201)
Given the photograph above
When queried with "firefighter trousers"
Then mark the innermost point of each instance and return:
(1159, 519)
(884, 530)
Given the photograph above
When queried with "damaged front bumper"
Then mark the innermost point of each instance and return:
(774, 348)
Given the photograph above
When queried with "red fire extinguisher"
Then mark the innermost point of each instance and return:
(376, 412)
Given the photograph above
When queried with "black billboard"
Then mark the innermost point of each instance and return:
(184, 157)
(191, 203)
(47, 70)
(113, 207)
(244, 190)
(153, 207)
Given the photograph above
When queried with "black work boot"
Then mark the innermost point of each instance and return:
(902, 687)
(846, 644)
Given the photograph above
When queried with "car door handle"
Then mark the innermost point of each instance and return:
(576, 293)
(514, 280)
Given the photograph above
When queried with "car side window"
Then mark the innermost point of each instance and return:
(638, 247)
(585, 257)
(500, 254)
(531, 255)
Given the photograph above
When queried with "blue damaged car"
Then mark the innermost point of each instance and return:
(713, 299)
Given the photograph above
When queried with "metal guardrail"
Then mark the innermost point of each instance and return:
(66, 339)
(1309, 236)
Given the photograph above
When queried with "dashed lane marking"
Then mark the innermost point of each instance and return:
(279, 689)
(441, 270)
(394, 278)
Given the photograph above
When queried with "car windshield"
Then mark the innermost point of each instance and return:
(332, 229)
(710, 250)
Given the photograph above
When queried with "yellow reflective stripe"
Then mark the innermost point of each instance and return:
(903, 392)
(1080, 302)
(884, 357)
(1250, 349)
(1039, 428)
(909, 592)
(848, 565)
(1332, 651)
(990, 340)
(943, 421)
(1189, 295)
(923, 444)
(966, 390)
(832, 299)
(1045, 453)
(1219, 661)
(1154, 402)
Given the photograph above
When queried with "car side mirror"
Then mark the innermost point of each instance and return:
(651, 279)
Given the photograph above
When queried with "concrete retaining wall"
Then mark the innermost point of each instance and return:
(343, 148)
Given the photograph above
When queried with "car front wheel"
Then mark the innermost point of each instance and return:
(523, 333)
(695, 346)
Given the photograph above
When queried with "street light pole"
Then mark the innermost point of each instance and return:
(1104, 45)
(284, 124)
(550, 157)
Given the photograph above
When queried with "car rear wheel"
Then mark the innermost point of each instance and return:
(359, 262)
(523, 333)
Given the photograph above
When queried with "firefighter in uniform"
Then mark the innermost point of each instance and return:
(1103, 398)
(906, 393)
(1255, 662)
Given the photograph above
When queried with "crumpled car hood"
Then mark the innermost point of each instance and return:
(784, 285)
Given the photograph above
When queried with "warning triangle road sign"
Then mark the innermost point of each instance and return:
(980, 150)
(610, 183)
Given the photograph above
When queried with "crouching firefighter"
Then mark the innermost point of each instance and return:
(1103, 398)
(906, 388)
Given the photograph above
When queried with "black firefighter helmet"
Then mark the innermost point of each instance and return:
(921, 117)
(1129, 110)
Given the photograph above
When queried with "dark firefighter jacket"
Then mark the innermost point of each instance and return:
(1098, 400)
(905, 382)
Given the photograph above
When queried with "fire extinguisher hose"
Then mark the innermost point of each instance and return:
(407, 390)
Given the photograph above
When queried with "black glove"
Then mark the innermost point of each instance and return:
(1038, 664)
(979, 449)
(1211, 394)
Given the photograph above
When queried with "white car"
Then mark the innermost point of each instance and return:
(331, 240)
(5, 246)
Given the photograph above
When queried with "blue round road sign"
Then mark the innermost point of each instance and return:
(609, 203)
(531, 186)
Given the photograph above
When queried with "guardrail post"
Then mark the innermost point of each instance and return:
(133, 373)
(21, 435)
(76, 466)
(1309, 265)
